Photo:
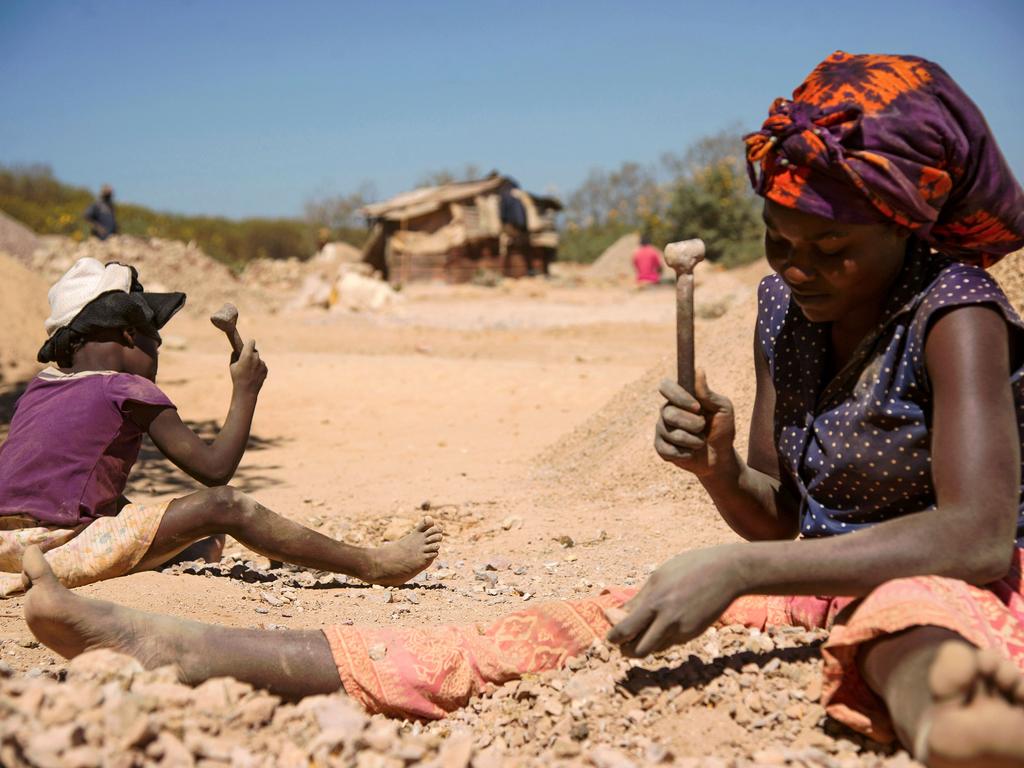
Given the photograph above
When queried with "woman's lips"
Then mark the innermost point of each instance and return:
(808, 298)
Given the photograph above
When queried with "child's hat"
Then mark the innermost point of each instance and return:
(92, 295)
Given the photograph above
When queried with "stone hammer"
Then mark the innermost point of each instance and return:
(683, 257)
(226, 318)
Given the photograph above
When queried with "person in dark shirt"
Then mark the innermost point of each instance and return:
(100, 214)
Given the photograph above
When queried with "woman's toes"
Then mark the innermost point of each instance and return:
(954, 670)
(988, 662)
(1018, 691)
(1006, 677)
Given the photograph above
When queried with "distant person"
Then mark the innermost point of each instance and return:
(647, 263)
(101, 215)
(514, 230)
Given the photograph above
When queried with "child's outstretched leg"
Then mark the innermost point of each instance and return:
(226, 510)
(289, 664)
(952, 704)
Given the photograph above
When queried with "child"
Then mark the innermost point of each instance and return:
(76, 434)
(888, 419)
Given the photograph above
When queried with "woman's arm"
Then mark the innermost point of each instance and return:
(696, 433)
(968, 536)
(210, 463)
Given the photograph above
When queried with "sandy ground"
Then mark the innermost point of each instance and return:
(519, 415)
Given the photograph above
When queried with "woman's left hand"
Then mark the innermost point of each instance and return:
(680, 600)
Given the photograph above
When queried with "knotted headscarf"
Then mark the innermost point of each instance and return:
(869, 138)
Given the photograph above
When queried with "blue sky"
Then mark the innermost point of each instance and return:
(251, 108)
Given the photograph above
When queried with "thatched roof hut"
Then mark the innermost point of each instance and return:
(454, 231)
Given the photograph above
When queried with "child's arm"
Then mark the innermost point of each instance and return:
(210, 463)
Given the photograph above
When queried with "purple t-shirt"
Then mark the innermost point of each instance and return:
(71, 445)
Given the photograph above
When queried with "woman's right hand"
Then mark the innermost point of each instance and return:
(695, 431)
(248, 372)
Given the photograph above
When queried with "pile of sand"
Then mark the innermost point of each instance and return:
(617, 260)
(15, 238)
(611, 455)
(163, 265)
(1010, 274)
(292, 279)
(23, 300)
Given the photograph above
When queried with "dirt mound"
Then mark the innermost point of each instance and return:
(15, 238)
(163, 265)
(617, 259)
(299, 283)
(23, 299)
(1010, 274)
(611, 454)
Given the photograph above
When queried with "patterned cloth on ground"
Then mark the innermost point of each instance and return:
(102, 549)
(426, 672)
(990, 617)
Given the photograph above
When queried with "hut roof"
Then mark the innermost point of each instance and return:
(426, 200)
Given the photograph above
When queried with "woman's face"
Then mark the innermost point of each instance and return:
(833, 270)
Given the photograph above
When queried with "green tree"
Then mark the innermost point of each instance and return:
(710, 198)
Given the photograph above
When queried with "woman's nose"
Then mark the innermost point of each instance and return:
(798, 266)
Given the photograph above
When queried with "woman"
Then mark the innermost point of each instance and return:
(887, 425)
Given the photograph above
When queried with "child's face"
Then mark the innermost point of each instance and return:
(141, 359)
(832, 269)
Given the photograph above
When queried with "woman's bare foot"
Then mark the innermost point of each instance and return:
(397, 562)
(70, 624)
(977, 719)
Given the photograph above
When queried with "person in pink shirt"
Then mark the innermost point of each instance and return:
(647, 262)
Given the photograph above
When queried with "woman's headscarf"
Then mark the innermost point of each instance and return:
(869, 138)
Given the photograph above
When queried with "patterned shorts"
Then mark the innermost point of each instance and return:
(101, 549)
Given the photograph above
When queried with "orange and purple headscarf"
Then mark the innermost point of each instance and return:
(869, 138)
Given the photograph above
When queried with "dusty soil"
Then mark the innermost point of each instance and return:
(520, 415)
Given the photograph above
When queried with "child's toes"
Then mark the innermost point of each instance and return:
(434, 530)
(432, 537)
(432, 548)
(34, 566)
(425, 525)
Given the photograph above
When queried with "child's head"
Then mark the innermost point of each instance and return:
(890, 144)
(101, 317)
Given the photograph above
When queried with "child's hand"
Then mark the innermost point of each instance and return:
(694, 431)
(248, 372)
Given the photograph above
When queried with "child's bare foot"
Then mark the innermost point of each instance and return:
(398, 562)
(71, 624)
(978, 716)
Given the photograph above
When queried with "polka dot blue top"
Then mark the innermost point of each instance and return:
(858, 446)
